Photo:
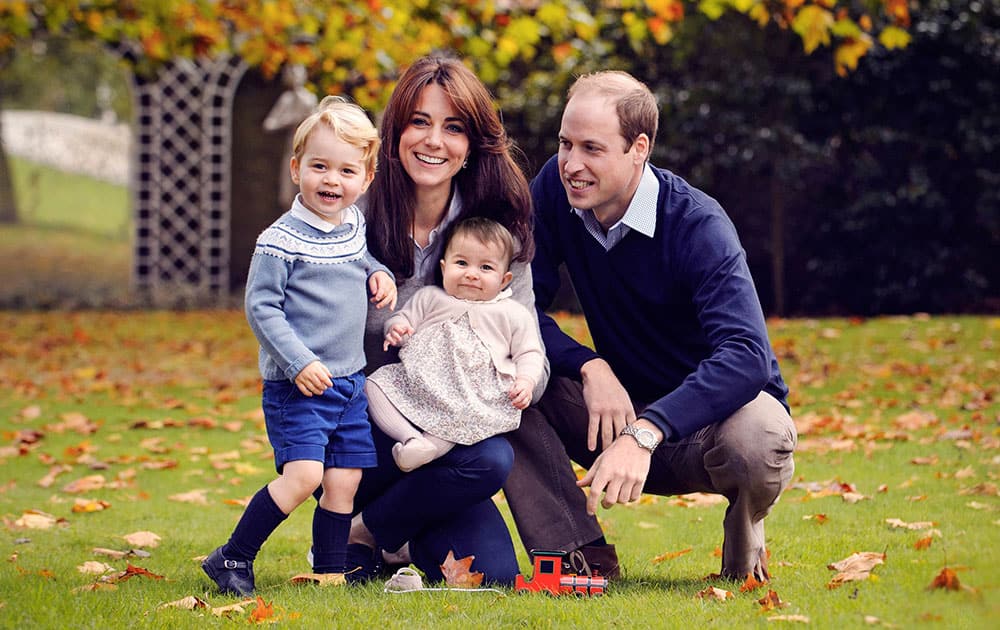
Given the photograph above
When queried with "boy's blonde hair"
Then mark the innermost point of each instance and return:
(486, 231)
(348, 121)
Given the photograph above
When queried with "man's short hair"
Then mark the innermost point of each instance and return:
(635, 104)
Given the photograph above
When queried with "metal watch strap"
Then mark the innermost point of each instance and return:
(633, 431)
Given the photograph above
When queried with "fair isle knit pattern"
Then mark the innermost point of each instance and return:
(307, 295)
(284, 241)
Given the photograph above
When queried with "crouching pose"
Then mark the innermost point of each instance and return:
(682, 389)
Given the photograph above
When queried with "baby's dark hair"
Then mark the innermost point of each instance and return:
(485, 231)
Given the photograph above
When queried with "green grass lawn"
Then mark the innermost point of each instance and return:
(71, 247)
(77, 203)
(164, 408)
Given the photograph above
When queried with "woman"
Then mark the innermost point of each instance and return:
(444, 156)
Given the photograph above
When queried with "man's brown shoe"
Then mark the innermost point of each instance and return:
(595, 560)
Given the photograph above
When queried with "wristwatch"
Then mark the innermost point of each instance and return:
(645, 437)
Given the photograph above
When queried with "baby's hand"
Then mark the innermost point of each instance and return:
(520, 393)
(314, 378)
(396, 335)
(383, 290)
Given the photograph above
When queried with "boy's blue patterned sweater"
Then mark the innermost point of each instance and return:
(307, 295)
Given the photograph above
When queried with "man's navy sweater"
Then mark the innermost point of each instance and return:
(676, 316)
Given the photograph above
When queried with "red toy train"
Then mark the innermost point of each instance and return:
(549, 577)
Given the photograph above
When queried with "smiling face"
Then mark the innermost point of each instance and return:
(474, 270)
(434, 144)
(331, 174)
(598, 172)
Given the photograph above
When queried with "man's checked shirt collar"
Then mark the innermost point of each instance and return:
(640, 214)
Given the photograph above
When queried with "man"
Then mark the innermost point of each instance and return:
(683, 390)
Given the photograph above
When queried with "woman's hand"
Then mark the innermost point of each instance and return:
(396, 335)
(383, 290)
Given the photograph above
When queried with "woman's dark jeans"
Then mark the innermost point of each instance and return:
(443, 506)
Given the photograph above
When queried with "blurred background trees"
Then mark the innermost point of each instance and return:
(853, 143)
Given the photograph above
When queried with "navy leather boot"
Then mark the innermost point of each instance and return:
(234, 577)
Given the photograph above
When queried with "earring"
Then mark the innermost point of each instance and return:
(465, 163)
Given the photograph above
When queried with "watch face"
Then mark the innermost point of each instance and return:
(645, 438)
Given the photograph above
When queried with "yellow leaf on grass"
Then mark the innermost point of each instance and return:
(986, 489)
(89, 505)
(188, 603)
(771, 601)
(232, 609)
(853, 497)
(143, 539)
(96, 586)
(194, 496)
(54, 471)
(697, 499)
(919, 525)
(965, 473)
(857, 566)
(863, 560)
(715, 593)
(85, 484)
(95, 567)
(36, 519)
(320, 579)
(242, 468)
(670, 555)
(227, 455)
(912, 420)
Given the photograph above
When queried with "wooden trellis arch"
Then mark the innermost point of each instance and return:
(181, 181)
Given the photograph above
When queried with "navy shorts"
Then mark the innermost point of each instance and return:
(332, 428)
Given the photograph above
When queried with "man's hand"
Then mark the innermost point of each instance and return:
(608, 404)
(314, 379)
(383, 290)
(620, 472)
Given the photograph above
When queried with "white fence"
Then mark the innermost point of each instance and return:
(69, 143)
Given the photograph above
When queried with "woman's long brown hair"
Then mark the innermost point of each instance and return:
(491, 185)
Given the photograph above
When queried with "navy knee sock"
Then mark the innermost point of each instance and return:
(330, 531)
(261, 517)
